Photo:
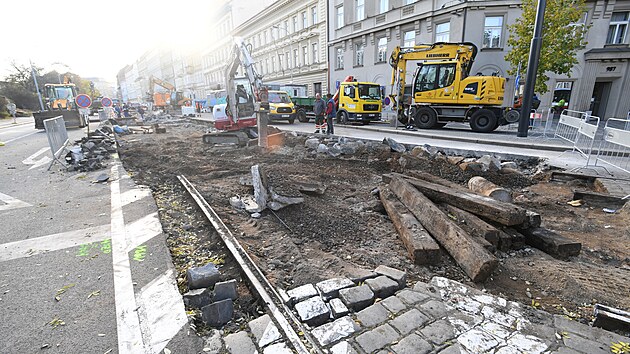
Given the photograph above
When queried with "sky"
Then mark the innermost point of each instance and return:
(95, 38)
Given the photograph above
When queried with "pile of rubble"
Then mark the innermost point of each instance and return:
(90, 153)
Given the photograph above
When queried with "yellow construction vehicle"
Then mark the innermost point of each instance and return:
(443, 91)
(161, 100)
(59, 101)
(358, 101)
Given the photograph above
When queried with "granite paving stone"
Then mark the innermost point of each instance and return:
(330, 288)
(377, 338)
(433, 308)
(393, 304)
(579, 343)
(313, 311)
(409, 321)
(438, 332)
(411, 297)
(373, 315)
(343, 347)
(278, 348)
(357, 298)
(426, 289)
(398, 275)
(527, 344)
(412, 344)
(239, 343)
(301, 293)
(338, 329)
(382, 286)
(337, 308)
(477, 341)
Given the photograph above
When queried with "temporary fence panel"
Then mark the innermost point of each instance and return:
(569, 125)
(586, 137)
(57, 138)
(614, 149)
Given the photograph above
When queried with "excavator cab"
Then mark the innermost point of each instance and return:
(436, 81)
(60, 96)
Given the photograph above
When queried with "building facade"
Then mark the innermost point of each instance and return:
(362, 34)
(288, 41)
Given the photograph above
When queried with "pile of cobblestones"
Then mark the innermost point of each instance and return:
(381, 314)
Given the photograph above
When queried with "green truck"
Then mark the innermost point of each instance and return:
(304, 108)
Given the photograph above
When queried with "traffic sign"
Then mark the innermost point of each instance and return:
(83, 101)
(11, 107)
(106, 102)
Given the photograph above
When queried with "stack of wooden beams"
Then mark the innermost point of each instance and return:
(429, 212)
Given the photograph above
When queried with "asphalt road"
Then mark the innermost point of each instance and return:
(84, 266)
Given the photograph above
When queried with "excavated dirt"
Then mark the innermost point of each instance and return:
(345, 231)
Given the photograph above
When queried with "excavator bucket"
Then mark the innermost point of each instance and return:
(72, 118)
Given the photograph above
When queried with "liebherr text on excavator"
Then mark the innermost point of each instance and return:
(443, 90)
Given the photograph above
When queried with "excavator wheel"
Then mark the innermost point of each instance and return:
(425, 118)
(483, 121)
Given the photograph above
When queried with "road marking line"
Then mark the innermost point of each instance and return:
(31, 159)
(11, 203)
(55, 242)
(161, 310)
(128, 324)
(142, 230)
(19, 137)
(134, 195)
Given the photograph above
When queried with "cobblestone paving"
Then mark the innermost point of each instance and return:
(442, 316)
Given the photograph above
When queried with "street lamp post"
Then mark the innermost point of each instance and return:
(290, 50)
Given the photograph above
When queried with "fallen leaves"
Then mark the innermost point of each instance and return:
(56, 322)
(63, 290)
(94, 293)
(620, 347)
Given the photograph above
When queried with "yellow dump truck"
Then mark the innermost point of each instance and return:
(358, 101)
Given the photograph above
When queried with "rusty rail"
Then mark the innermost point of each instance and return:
(273, 301)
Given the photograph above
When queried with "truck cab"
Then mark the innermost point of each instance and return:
(281, 107)
(359, 101)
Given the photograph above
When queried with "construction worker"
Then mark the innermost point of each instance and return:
(331, 113)
(319, 108)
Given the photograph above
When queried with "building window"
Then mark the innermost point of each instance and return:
(314, 52)
(304, 55)
(408, 2)
(618, 28)
(340, 22)
(267, 66)
(383, 6)
(280, 61)
(288, 59)
(314, 14)
(304, 20)
(381, 54)
(493, 27)
(295, 24)
(296, 58)
(359, 52)
(360, 5)
(339, 61)
(409, 39)
(286, 28)
(442, 32)
(273, 64)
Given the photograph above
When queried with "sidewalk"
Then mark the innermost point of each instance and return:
(8, 122)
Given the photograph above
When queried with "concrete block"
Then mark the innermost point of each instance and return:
(239, 342)
(377, 338)
(301, 293)
(433, 308)
(411, 297)
(357, 298)
(438, 332)
(332, 332)
(313, 311)
(219, 313)
(264, 330)
(278, 348)
(358, 275)
(412, 344)
(337, 308)
(312, 143)
(202, 277)
(398, 275)
(343, 347)
(198, 298)
(373, 315)
(382, 286)
(225, 290)
(409, 321)
(393, 304)
(330, 288)
(489, 163)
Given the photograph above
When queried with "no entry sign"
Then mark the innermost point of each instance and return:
(83, 101)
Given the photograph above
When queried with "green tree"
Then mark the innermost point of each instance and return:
(563, 36)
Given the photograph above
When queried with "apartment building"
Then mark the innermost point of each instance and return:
(288, 43)
(362, 34)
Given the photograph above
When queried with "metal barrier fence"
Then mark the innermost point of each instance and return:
(569, 126)
(579, 129)
(614, 149)
(57, 138)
